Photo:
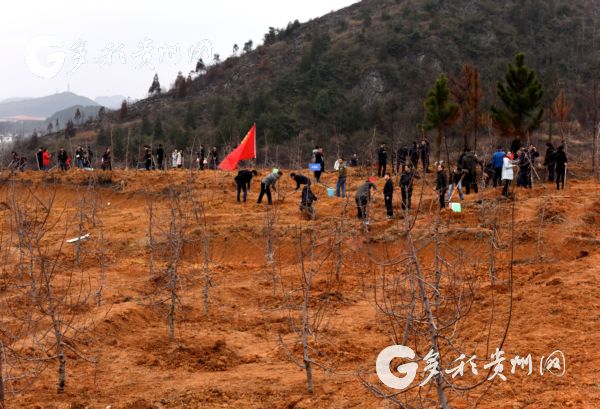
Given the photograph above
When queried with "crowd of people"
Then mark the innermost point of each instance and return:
(468, 173)
(152, 159)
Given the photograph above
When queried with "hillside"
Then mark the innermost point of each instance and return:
(334, 79)
(240, 353)
(68, 114)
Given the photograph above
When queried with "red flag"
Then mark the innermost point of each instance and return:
(245, 150)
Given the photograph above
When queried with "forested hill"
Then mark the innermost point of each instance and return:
(334, 79)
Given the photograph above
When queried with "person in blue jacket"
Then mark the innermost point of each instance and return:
(498, 162)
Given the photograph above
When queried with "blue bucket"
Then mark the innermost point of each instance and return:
(330, 192)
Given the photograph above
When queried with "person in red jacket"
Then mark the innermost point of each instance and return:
(46, 156)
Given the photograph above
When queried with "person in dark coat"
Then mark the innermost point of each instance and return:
(147, 157)
(388, 194)
(62, 159)
(318, 158)
(300, 180)
(242, 180)
(363, 198)
(468, 163)
(106, 160)
(160, 156)
(524, 178)
(39, 156)
(550, 161)
(201, 156)
(413, 153)
(424, 155)
(441, 185)
(307, 198)
(561, 167)
(213, 158)
(406, 186)
(90, 156)
(402, 155)
(381, 160)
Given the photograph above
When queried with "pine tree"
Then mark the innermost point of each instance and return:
(248, 46)
(200, 65)
(440, 111)
(180, 85)
(155, 87)
(124, 109)
(521, 95)
(77, 115)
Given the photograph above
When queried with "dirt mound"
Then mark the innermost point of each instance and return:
(232, 357)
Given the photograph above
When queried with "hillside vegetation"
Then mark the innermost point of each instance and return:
(365, 70)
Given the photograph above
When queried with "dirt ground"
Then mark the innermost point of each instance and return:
(239, 355)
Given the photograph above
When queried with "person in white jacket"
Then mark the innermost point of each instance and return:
(179, 159)
(507, 172)
(174, 159)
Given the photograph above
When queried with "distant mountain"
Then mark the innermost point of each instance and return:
(42, 107)
(111, 102)
(63, 116)
(14, 99)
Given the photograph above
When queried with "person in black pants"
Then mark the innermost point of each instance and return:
(550, 161)
(401, 159)
(441, 185)
(242, 180)
(160, 156)
(388, 194)
(300, 180)
(39, 156)
(424, 154)
(266, 184)
(382, 160)
(318, 158)
(560, 160)
(62, 159)
(406, 186)
(201, 156)
(147, 157)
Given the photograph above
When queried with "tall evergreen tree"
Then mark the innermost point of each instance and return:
(124, 109)
(155, 87)
(521, 95)
(440, 111)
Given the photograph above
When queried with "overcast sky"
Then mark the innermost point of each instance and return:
(99, 48)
